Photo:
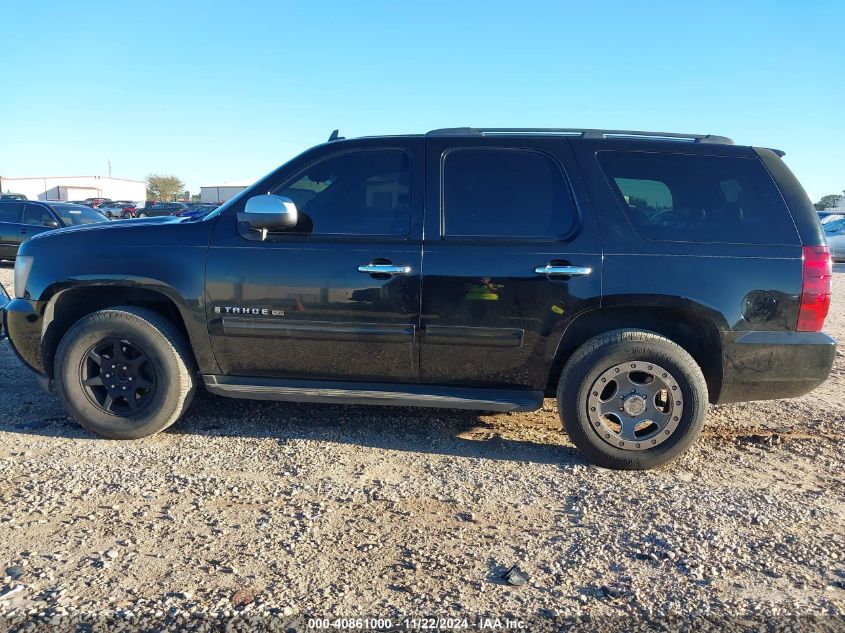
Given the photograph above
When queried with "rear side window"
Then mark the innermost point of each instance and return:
(689, 198)
(10, 212)
(505, 194)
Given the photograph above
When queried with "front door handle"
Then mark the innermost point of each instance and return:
(384, 269)
(567, 271)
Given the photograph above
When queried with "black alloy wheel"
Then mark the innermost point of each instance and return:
(118, 377)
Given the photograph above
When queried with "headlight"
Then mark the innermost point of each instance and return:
(23, 264)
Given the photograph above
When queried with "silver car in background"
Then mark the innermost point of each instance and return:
(834, 232)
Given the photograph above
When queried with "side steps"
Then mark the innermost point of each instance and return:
(400, 395)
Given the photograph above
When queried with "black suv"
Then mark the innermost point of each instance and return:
(161, 208)
(634, 276)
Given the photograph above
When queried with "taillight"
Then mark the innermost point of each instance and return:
(815, 289)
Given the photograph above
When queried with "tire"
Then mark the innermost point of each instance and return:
(142, 214)
(595, 380)
(126, 215)
(109, 215)
(163, 384)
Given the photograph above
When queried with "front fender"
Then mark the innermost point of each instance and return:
(77, 272)
(62, 309)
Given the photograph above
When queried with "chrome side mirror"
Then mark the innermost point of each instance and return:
(268, 213)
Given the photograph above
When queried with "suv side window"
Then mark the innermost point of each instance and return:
(694, 198)
(358, 192)
(11, 212)
(504, 193)
(36, 215)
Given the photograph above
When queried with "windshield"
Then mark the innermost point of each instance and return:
(73, 215)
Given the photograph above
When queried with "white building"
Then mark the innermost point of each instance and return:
(224, 191)
(75, 187)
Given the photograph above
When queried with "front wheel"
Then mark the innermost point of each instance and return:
(124, 372)
(631, 399)
(142, 214)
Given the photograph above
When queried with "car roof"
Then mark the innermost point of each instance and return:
(635, 139)
(586, 133)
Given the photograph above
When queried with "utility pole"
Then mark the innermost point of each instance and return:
(109, 169)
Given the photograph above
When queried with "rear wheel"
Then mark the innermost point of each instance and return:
(127, 215)
(142, 214)
(109, 215)
(631, 399)
(124, 373)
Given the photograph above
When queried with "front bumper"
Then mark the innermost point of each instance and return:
(769, 365)
(4, 301)
(22, 321)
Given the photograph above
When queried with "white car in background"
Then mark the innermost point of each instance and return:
(834, 232)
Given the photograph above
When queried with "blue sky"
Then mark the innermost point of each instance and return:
(217, 91)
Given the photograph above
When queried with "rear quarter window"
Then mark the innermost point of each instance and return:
(693, 198)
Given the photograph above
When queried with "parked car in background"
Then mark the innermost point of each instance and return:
(21, 220)
(834, 232)
(119, 209)
(161, 208)
(823, 215)
(95, 202)
(12, 196)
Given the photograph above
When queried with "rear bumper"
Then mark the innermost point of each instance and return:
(769, 365)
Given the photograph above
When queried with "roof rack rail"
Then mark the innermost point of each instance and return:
(581, 133)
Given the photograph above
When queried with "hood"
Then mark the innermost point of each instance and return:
(115, 225)
(107, 243)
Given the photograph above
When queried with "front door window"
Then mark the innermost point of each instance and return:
(361, 192)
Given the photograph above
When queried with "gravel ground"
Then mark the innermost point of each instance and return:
(260, 515)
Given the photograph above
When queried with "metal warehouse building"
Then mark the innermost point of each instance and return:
(223, 191)
(75, 187)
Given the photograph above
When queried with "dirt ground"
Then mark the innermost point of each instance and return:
(267, 515)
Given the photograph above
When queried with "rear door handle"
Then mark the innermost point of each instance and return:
(384, 269)
(567, 271)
